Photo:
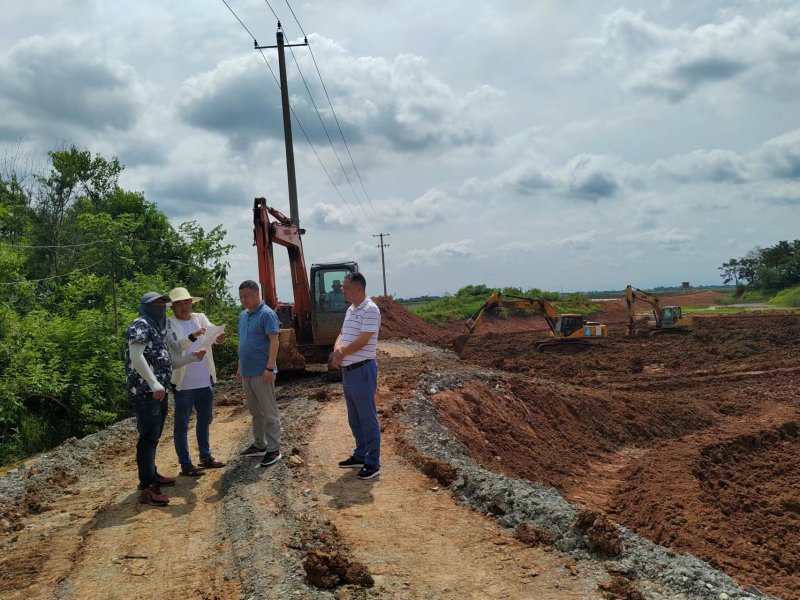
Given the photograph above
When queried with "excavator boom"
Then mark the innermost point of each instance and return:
(566, 328)
(666, 318)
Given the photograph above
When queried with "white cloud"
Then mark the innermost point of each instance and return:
(439, 253)
(63, 84)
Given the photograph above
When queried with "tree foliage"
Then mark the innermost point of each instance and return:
(76, 254)
(766, 269)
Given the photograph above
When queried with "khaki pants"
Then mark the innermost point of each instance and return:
(263, 407)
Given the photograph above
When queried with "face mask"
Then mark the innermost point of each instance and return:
(157, 313)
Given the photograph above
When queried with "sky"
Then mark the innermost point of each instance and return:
(570, 146)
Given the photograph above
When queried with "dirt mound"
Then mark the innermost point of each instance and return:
(601, 534)
(328, 569)
(691, 441)
(397, 322)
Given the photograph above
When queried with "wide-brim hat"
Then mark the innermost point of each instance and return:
(180, 293)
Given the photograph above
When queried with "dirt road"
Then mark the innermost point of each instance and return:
(92, 539)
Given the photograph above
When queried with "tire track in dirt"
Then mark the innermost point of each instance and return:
(97, 541)
(418, 543)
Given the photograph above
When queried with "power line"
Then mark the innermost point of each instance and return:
(327, 135)
(294, 114)
(23, 281)
(322, 122)
(55, 246)
(333, 111)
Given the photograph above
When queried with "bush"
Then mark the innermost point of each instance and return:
(789, 298)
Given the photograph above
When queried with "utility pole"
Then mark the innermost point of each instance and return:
(383, 262)
(294, 211)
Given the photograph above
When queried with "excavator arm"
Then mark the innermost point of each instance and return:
(284, 232)
(631, 295)
(498, 300)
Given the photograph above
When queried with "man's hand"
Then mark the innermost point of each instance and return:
(199, 354)
(220, 339)
(199, 332)
(269, 376)
(159, 394)
(336, 361)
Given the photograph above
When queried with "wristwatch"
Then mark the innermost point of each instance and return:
(192, 338)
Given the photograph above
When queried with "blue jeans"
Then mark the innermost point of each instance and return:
(359, 394)
(202, 400)
(150, 416)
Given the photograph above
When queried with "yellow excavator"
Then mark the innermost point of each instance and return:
(665, 319)
(569, 329)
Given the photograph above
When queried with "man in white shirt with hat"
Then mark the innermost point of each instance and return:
(186, 331)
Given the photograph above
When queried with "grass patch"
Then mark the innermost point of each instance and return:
(788, 298)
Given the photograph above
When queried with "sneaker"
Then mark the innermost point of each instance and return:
(252, 451)
(351, 463)
(270, 458)
(368, 472)
(211, 463)
(152, 495)
(162, 480)
(192, 471)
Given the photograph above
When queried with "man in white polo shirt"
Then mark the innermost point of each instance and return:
(354, 351)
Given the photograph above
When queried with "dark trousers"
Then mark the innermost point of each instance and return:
(150, 416)
(359, 393)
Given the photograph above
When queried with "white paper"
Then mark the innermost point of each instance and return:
(212, 333)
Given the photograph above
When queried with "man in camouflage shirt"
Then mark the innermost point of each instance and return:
(148, 369)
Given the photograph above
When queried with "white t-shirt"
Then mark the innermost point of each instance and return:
(196, 374)
(366, 317)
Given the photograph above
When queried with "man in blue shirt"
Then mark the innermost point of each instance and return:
(259, 331)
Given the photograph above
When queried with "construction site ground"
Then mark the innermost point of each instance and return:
(689, 441)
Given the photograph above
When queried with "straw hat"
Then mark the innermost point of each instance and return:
(180, 293)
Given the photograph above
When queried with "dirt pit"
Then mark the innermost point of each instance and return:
(689, 440)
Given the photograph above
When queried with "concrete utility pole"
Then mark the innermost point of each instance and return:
(294, 211)
(383, 262)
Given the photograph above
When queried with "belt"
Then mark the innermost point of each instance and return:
(356, 365)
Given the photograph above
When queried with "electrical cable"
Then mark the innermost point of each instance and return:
(296, 118)
(24, 281)
(336, 118)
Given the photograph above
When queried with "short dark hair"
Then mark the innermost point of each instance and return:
(248, 284)
(357, 278)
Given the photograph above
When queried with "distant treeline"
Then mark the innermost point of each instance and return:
(76, 253)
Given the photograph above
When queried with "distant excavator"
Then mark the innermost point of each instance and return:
(665, 319)
(569, 329)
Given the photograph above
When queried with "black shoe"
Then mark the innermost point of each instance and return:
(252, 451)
(270, 458)
(368, 472)
(351, 463)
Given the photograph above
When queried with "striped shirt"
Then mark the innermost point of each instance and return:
(366, 317)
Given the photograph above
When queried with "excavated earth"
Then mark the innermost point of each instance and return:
(691, 441)
(663, 468)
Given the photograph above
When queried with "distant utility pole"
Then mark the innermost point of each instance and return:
(294, 211)
(383, 262)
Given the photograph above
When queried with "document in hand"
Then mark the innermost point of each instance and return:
(212, 333)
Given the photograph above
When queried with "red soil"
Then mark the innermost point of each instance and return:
(692, 441)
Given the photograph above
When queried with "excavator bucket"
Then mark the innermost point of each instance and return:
(289, 357)
(460, 343)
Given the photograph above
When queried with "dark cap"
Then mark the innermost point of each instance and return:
(153, 296)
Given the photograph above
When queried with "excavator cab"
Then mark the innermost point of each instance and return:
(567, 324)
(671, 315)
(327, 300)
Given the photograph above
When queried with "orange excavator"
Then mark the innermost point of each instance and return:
(570, 331)
(665, 319)
(310, 324)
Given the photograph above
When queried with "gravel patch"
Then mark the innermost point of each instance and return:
(658, 572)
